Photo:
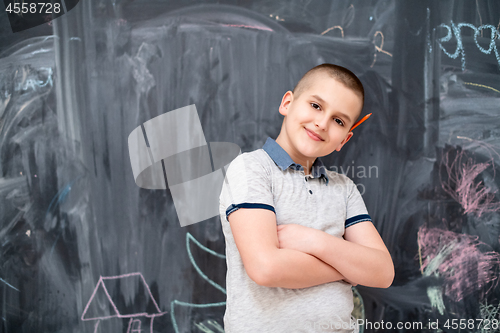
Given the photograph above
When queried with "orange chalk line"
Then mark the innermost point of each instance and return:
(379, 48)
(334, 27)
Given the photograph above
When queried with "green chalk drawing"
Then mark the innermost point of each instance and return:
(490, 313)
(190, 239)
(433, 265)
(435, 295)
(205, 329)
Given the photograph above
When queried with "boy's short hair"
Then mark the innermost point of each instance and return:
(339, 73)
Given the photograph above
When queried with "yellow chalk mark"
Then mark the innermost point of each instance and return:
(334, 27)
(482, 86)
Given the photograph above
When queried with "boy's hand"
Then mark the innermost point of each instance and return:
(297, 237)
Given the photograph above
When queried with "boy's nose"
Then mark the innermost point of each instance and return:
(321, 122)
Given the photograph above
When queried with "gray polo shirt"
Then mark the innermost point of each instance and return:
(268, 178)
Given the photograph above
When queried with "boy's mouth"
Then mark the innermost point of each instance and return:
(313, 135)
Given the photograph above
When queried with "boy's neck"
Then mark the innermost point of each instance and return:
(307, 169)
(306, 164)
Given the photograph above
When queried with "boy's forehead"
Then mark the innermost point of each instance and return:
(320, 84)
(320, 79)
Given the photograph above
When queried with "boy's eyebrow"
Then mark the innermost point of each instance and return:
(322, 101)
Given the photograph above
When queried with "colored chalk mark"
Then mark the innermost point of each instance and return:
(60, 196)
(487, 146)
(202, 327)
(457, 259)
(435, 295)
(190, 238)
(101, 288)
(334, 27)
(455, 30)
(461, 185)
(192, 305)
(379, 48)
(489, 313)
(482, 86)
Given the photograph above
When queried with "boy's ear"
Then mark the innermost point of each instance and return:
(349, 135)
(285, 102)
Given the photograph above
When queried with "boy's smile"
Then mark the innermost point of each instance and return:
(318, 121)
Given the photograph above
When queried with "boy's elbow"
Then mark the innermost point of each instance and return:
(262, 279)
(386, 282)
(382, 277)
(387, 275)
(261, 272)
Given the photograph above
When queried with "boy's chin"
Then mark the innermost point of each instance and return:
(313, 153)
(310, 153)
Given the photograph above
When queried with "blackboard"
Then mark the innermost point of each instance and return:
(85, 249)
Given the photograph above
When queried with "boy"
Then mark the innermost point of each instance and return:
(298, 236)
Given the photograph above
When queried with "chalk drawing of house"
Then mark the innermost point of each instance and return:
(123, 296)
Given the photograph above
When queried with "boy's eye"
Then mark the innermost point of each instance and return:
(339, 121)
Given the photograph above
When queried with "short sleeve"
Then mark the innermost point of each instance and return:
(247, 184)
(356, 208)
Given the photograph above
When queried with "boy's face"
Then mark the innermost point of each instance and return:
(318, 121)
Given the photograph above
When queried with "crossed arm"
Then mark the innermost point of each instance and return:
(294, 256)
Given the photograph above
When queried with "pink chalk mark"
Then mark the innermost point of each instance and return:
(117, 314)
(461, 186)
(132, 328)
(457, 258)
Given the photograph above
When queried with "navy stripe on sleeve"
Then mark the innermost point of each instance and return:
(356, 219)
(233, 208)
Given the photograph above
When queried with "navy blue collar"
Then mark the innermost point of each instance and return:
(284, 161)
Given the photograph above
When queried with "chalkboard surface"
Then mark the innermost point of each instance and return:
(84, 249)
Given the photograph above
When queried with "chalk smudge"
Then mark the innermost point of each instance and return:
(457, 259)
(202, 327)
(489, 313)
(435, 295)
(461, 184)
